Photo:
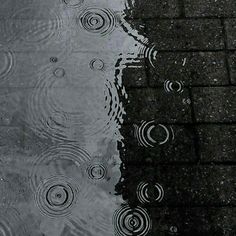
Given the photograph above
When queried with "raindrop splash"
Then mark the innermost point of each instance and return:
(148, 193)
(173, 86)
(143, 134)
(56, 196)
(131, 221)
(97, 21)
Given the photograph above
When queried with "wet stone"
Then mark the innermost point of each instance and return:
(203, 68)
(153, 8)
(216, 8)
(217, 143)
(135, 75)
(193, 221)
(185, 34)
(215, 104)
(172, 144)
(232, 64)
(158, 105)
(182, 185)
(230, 25)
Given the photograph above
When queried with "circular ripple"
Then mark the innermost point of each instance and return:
(7, 62)
(34, 26)
(128, 221)
(97, 21)
(64, 160)
(59, 72)
(56, 196)
(84, 111)
(97, 172)
(97, 64)
(73, 3)
(144, 189)
(11, 224)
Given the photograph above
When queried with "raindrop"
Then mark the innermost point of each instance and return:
(59, 72)
(56, 196)
(97, 64)
(53, 59)
(145, 138)
(148, 193)
(131, 221)
(173, 86)
(97, 171)
(97, 21)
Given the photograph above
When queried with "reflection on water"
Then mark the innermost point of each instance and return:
(74, 103)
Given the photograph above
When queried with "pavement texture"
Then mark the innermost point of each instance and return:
(158, 157)
(195, 42)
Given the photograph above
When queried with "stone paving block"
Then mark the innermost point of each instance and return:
(193, 221)
(178, 144)
(217, 142)
(180, 185)
(217, 8)
(134, 75)
(232, 65)
(156, 104)
(215, 104)
(230, 27)
(152, 8)
(193, 68)
(191, 34)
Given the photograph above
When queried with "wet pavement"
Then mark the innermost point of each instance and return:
(117, 118)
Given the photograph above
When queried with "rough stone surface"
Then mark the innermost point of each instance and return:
(184, 185)
(158, 105)
(215, 104)
(213, 8)
(153, 8)
(193, 221)
(185, 34)
(232, 63)
(230, 26)
(203, 68)
(178, 148)
(214, 136)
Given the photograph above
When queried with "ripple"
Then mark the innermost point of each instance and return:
(73, 3)
(131, 221)
(35, 26)
(173, 86)
(148, 193)
(56, 196)
(97, 171)
(87, 108)
(97, 64)
(98, 21)
(11, 223)
(7, 63)
(143, 134)
(64, 159)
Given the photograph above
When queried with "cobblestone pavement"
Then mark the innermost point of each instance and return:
(196, 43)
(117, 118)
